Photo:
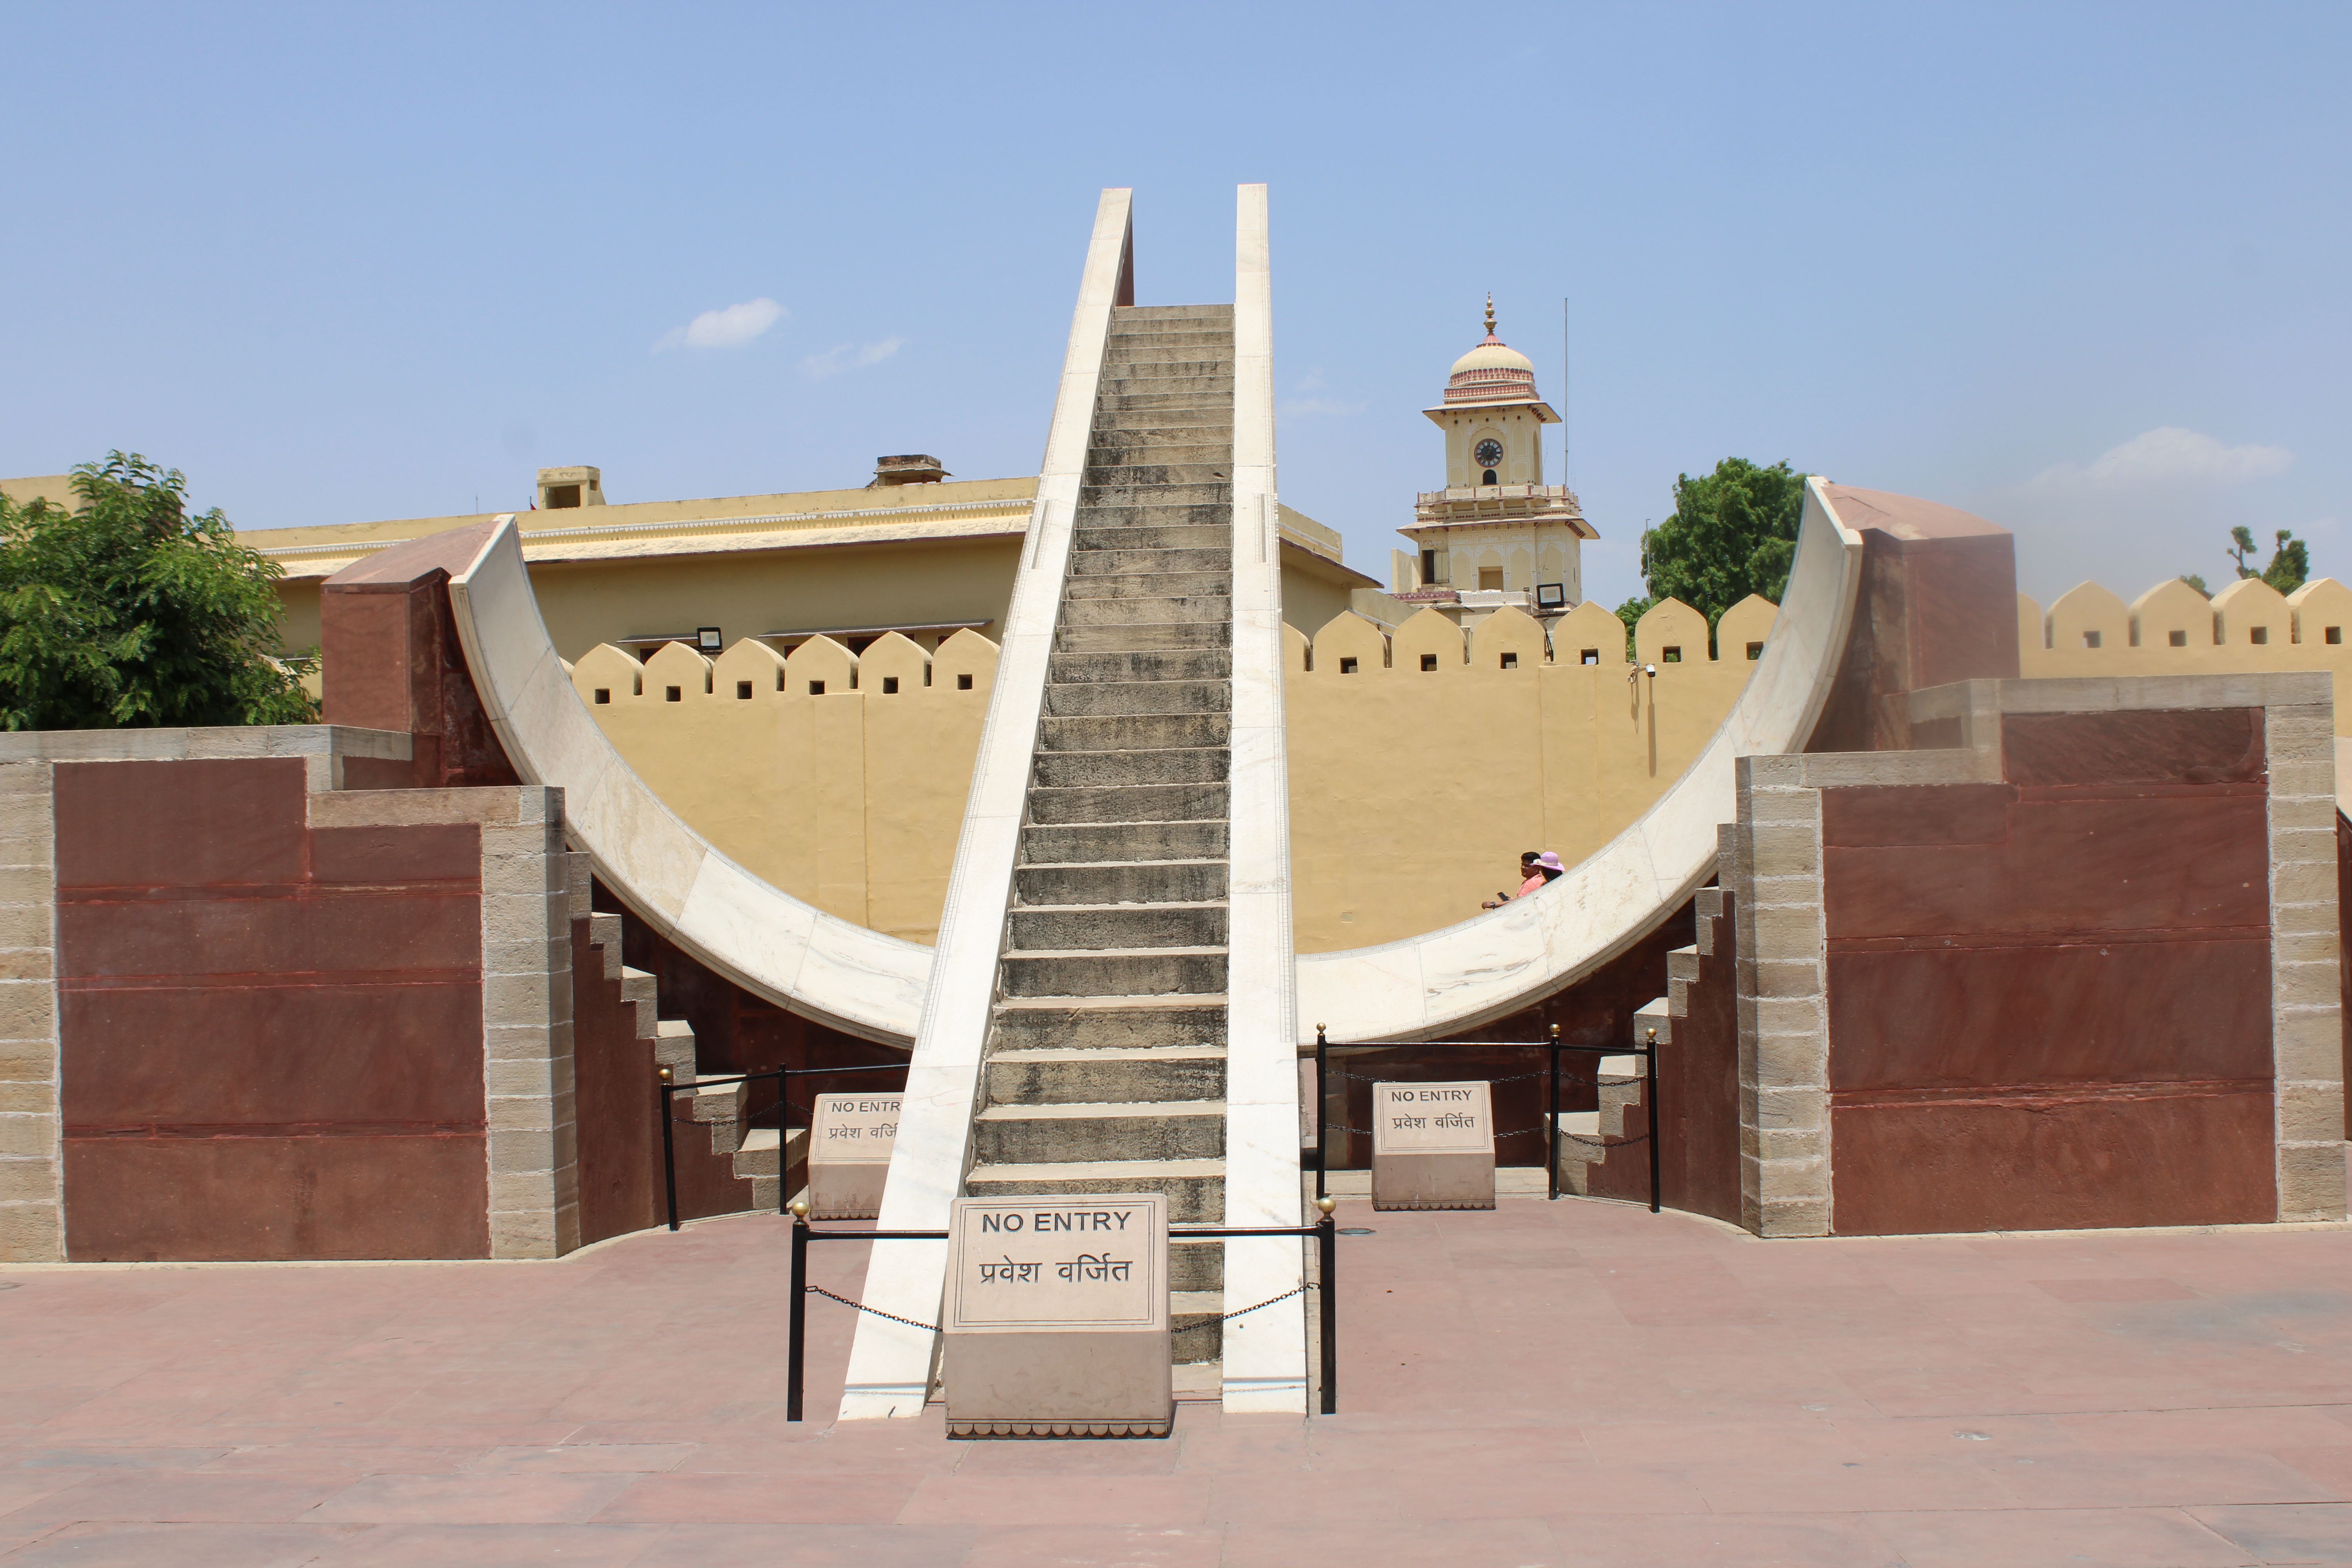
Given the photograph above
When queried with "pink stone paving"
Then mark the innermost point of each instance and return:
(1573, 1385)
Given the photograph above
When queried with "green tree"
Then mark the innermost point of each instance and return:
(124, 610)
(1732, 533)
(2290, 559)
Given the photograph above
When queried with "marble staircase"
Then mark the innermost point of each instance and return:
(1105, 1067)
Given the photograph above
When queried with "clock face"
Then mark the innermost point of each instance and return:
(1489, 452)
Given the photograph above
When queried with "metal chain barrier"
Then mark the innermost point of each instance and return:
(1229, 1316)
(821, 1290)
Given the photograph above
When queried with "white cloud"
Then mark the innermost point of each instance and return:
(849, 356)
(2169, 453)
(1299, 408)
(729, 329)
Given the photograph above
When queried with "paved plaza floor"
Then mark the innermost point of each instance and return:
(1573, 1384)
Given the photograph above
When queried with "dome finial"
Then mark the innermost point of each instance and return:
(1490, 314)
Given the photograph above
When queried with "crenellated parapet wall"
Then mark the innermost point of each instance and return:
(837, 777)
(2249, 627)
(1422, 763)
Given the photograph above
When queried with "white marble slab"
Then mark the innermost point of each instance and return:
(1265, 1356)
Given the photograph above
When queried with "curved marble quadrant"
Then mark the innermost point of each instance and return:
(744, 928)
(1499, 962)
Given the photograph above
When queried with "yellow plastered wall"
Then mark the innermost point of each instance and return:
(2172, 629)
(1418, 775)
(810, 770)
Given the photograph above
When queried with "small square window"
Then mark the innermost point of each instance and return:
(1510, 661)
(2177, 640)
(2335, 634)
(963, 683)
(816, 688)
(2090, 639)
(2258, 636)
(889, 685)
(1347, 667)
(1756, 650)
(673, 694)
(603, 694)
(743, 691)
(1429, 661)
(1590, 656)
(1670, 654)
(1490, 579)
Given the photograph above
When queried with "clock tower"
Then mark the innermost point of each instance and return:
(1496, 534)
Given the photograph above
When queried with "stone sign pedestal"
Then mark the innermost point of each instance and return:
(1433, 1147)
(850, 1137)
(1055, 1321)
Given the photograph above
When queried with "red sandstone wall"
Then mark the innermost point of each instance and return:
(271, 1037)
(2050, 997)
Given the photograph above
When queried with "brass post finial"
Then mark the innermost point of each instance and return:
(665, 1073)
(1654, 1037)
(1326, 1205)
(1555, 1032)
(1490, 312)
(800, 1208)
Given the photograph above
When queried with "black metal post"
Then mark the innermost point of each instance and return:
(1551, 1125)
(669, 1151)
(1650, 1101)
(1327, 1238)
(1322, 1099)
(796, 1330)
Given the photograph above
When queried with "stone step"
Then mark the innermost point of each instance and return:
(1134, 732)
(1175, 476)
(1061, 843)
(1150, 513)
(1121, 882)
(1110, 1024)
(1110, 455)
(1201, 608)
(1196, 1326)
(1099, 535)
(1147, 360)
(1207, 664)
(1146, 406)
(1121, 315)
(1117, 494)
(1073, 927)
(1069, 699)
(1156, 585)
(1104, 1075)
(1165, 636)
(1196, 1265)
(1195, 1188)
(1125, 971)
(1128, 769)
(1118, 563)
(1134, 803)
(1064, 1134)
(1180, 332)
(1138, 429)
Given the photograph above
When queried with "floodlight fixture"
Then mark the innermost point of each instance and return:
(1551, 595)
(707, 639)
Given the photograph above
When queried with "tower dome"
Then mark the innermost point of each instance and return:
(1493, 371)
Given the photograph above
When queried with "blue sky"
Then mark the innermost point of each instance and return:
(2080, 268)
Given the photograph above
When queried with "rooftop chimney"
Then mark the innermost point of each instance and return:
(578, 486)
(908, 468)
